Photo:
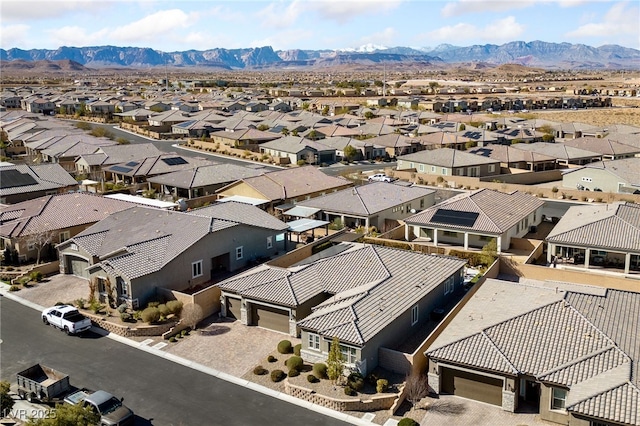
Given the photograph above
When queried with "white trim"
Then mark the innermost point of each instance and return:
(239, 252)
(199, 272)
(415, 314)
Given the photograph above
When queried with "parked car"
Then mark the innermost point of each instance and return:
(66, 318)
(380, 177)
(111, 409)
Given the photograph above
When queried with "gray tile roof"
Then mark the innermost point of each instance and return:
(295, 144)
(447, 157)
(381, 284)
(366, 200)
(213, 174)
(625, 169)
(241, 213)
(610, 226)
(151, 166)
(574, 337)
(47, 176)
(557, 150)
(490, 205)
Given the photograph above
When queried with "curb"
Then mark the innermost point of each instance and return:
(207, 370)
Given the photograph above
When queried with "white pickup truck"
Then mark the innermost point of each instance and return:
(66, 318)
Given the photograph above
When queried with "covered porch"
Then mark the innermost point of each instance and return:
(593, 258)
(465, 239)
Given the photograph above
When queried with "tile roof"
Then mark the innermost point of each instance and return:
(625, 169)
(367, 199)
(206, 175)
(360, 304)
(447, 157)
(493, 217)
(241, 213)
(611, 226)
(47, 177)
(620, 404)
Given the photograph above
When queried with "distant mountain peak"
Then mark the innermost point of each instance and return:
(365, 48)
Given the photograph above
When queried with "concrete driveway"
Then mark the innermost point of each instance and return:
(56, 288)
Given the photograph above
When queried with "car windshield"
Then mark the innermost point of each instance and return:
(109, 405)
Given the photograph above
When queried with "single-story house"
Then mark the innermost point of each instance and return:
(564, 154)
(622, 176)
(473, 219)
(512, 158)
(297, 148)
(568, 353)
(599, 235)
(378, 204)
(449, 162)
(22, 182)
(139, 249)
(367, 296)
(138, 171)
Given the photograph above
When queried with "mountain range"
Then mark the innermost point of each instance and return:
(535, 53)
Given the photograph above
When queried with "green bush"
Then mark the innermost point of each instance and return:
(312, 379)
(14, 288)
(293, 373)
(150, 315)
(184, 333)
(320, 370)
(122, 308)
(35, 276)
(406, 421)
(295, 363)
(382, 385)
(95, 306)
(277, 375)
(284, 347)
(125, 317)
(355, 381)
(372, 379)
(296, 349)
(271, 358)
(153, 304)
(259, 370)
(172, 339)
(348, 390)
(164, 311)
(174, 306)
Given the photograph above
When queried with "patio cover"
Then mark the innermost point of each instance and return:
(303, 225)
(243, 199)
(302, 211)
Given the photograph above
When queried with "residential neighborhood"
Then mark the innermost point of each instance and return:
(378, 255)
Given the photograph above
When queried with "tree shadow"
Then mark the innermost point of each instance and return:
(446, 407)
(215, 330)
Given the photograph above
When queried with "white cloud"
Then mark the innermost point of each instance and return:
(13, 10)
(620, 20)
(343, 11)
(280, 14)
(464, 7)
(77, 36)
(14, 35)
(152, 27)
(385, 37)
(503, 30)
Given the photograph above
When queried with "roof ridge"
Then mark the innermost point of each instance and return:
(484, 335)
(290, 286)
(481, 209)
(613, 387)
(581, 359)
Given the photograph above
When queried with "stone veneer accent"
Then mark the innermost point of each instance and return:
(434, 381)
(508, 401)
(373, 403)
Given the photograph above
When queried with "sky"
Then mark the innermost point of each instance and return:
(170, 26)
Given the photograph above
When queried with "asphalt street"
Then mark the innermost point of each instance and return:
(160, 392)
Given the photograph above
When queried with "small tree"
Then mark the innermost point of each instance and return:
(6, 402)
(68, 415)
(192, 314)
(417, 387)
(335, 363)
(39, 241)
(350, 152)
(490, 251)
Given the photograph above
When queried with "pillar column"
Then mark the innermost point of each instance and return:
(627, 262)
(587, 255)
(406, 232)
(499, 244)
(466, 241)
(435, 237)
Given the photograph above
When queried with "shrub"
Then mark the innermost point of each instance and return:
(14, 288)
(356, 381)
(259, 370)
(320, 370)
(554, 189)
(408, 422)
(122, 308)
(348, 390)
(150, 315)
(382, 385)
(95, 306)
(153, 304)
(284, 347)
(125, 316)
(174, 306)
(296, 349)
(164, 311)
(277, 375)
(293, 373)
(137, 315)
(35, 276)
(372, 379)
(271, 358)
(172, 339)
(295, 363)
(184, 333)
(312, 379)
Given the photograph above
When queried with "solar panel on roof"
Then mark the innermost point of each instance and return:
(174, 161)
(132, 164)
(14, 178)
(455, 217)
(120, 169)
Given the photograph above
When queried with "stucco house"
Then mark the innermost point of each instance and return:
(473, 219)
(22, 182)
(568, 353)
(599, 235)
(296, 148)
(385, 297)
(378, 204)
(621, 176)
(139, 249)
(449, 162)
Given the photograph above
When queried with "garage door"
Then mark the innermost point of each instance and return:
(77, 267)
(271, 318)
(233, 308)
(472, 386)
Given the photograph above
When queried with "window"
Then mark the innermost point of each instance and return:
(449, 285)
(433, 169)
(422, 203)
(314, 342)
(64, 236)
(196, 269)
(444, 171)
(73, 246)
(123, 286)
(239, 252)
(414, 315)
(348, 354)
(422, 167)
(31, 246)
(280, 237)
(102, 285)
(269, 242)
(492, 168)
(558, 399)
